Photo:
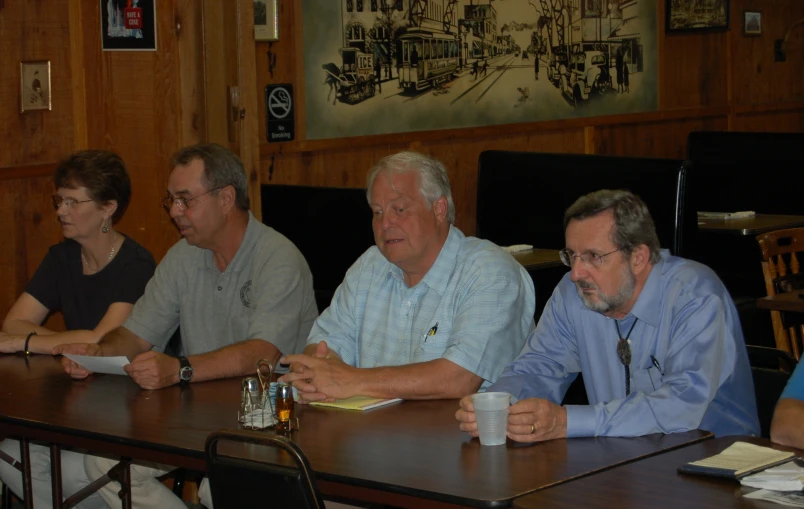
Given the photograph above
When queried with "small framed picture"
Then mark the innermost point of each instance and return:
(35, 86)
(266, 20)
(696, 15)
(752, 23)
(128, 25)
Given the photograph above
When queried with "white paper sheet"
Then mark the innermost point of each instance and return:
(794, 499)
(787, 477)
(108, 365)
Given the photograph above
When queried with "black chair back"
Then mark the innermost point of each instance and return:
(331, 226)
(770, 369)
(522, 196)
(287, 482)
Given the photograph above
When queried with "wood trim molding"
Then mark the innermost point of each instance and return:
(27, 172)
(248, 124)
(266, 149)
(768, 107)
(78, 77)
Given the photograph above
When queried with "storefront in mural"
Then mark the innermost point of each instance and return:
(388, 66)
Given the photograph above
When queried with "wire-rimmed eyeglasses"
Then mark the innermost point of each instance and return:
(181, 202)
(58, 200)
(587, 258)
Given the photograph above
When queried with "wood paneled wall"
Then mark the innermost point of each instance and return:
(145, 105)
(142, 105)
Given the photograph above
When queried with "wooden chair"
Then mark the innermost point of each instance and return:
(781, 267)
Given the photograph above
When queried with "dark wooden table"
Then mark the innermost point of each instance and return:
(410, 454)
(790, 301)
(538, 258)
(654, 483)
(760, 223)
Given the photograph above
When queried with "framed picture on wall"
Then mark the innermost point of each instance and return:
(752, 23)
(35, 86)
(266, 20)
(128, 25)
(696, 15)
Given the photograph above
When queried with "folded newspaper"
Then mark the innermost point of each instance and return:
(795, 499)
(786, 477)
(726, 215)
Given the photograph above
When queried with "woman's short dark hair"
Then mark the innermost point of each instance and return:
(221, 168)
(633, 225)
(101, 172)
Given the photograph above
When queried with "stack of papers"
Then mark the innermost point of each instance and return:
(786, 477)
(726, 215)
(789, 499)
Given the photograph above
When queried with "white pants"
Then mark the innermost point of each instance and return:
(73, 476)
(146, 491)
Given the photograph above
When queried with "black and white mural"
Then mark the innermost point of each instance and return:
(387, 66)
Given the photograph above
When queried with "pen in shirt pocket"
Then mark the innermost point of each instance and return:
(656, 363)
(431, 332)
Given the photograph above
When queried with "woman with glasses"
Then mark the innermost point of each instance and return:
(96, 274)
(93, 278)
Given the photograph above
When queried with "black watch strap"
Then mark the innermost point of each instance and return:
(185, 371)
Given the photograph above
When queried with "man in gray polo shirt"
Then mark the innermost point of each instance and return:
(238, 290)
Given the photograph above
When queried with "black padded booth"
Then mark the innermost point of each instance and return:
(522, 196)
(331, 226)
(738, 146)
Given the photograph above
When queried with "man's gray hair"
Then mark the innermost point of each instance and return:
(633, 224)
(221, 168)
(433, 178)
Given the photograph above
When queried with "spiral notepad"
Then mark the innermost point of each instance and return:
(359, 403)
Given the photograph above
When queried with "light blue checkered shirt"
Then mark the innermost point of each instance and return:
(480, 299)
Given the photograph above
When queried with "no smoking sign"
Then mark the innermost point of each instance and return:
(279, 123)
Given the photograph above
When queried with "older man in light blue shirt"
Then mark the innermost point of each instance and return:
(657, 338)
(428, 313)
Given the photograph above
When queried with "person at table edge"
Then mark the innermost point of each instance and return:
(673, 317)
(427, 313)
(787, 427)
(93, 278)
(238, 290)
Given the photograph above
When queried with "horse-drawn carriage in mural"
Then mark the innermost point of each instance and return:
(354, 81)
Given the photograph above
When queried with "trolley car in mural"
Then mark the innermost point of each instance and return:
(426, 59)
(354, 81)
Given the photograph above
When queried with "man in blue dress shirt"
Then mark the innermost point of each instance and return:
(427, 313)
(787, 427)
(657, 338)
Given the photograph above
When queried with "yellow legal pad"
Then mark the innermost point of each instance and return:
(359, 403)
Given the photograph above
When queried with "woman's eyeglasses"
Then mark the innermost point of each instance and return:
(70, 203)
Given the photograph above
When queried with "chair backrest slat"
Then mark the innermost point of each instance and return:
(782, 270)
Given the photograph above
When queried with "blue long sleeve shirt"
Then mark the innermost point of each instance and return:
(685, 320)
(795, 386)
